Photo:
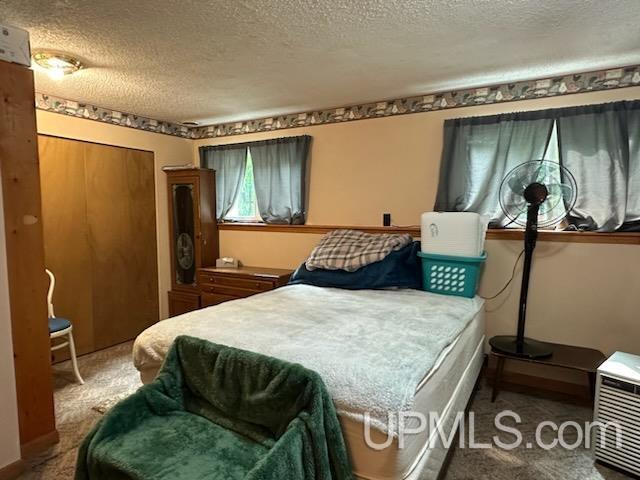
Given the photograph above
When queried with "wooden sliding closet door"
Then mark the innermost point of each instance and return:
(66, 235)
(100, 238)
(122, 234)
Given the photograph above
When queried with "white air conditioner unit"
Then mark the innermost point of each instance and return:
(618, 402)
(453, 233)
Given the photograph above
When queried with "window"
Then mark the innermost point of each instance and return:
(551, 154)
(279, 168)
(478, 153)
(597, 144)
(245, 206)
(549, 213)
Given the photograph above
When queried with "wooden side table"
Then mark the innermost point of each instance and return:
(582, 359)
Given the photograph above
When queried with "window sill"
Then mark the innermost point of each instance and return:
(241, 221)
(626, 238)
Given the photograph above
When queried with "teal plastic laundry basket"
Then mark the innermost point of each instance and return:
(451, 275)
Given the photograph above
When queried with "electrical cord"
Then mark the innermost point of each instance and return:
(513, 274)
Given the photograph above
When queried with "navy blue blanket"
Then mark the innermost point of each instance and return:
(401, 269)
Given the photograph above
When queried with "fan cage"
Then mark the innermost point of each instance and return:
(562, 188)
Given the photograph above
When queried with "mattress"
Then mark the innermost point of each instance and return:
(444, 390)
(400, 350)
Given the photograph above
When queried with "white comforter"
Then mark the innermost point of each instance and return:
(371, 347)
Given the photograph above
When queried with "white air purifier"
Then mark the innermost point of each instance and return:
(618, 403)
(453, 233)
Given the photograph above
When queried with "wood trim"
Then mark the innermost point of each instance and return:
(38, 445)
(13, 470)
(25, 252)
(625, 238)
(317, 229)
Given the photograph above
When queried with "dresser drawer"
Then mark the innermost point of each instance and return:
(209, 299)
(206, 277)
(219, 285)
(228, 281)
(228, 290)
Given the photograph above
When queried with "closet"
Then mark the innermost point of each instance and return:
(99, 221)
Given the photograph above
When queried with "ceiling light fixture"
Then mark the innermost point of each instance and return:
(57, 65)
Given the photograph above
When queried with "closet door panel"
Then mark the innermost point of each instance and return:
(67, 250)
(122, 234)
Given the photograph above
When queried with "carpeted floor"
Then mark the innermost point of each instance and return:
(110, 375)
(107, 374)
(525, 463)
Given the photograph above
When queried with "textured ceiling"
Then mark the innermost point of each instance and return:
(215, 61)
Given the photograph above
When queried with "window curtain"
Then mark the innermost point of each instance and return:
(632, 216)
(477, 154)
(229, 162)
(279, 171)
(599, 145)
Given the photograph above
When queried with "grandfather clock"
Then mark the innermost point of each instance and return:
(193, 233)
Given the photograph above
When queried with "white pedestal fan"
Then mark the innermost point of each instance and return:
(533, 194)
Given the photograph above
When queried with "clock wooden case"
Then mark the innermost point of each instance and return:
(193, 233)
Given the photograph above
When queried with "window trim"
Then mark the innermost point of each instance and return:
(621, 238)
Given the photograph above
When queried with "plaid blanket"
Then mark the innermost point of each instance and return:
(350, 250)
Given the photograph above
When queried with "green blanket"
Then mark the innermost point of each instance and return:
(216, 412)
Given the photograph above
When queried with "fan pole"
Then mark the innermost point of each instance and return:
(530, 237)
(535, 194)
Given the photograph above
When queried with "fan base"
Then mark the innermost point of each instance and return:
(509, 345)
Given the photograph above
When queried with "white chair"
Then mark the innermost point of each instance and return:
(61, 327)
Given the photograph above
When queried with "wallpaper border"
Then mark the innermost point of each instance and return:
(506, 92)
(50, 103)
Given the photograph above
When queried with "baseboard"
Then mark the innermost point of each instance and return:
(13, 470)
(36, 446)
(525, 383)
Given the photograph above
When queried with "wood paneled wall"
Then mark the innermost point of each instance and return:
(25, 254)
(100, 239)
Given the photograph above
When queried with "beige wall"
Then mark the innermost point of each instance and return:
(167, 150)
(581, 294)
(10, 438)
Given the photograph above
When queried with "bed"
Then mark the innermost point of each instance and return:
(379, 352)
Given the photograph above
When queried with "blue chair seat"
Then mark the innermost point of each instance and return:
(56, 324)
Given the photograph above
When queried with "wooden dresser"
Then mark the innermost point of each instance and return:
(219, 285)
